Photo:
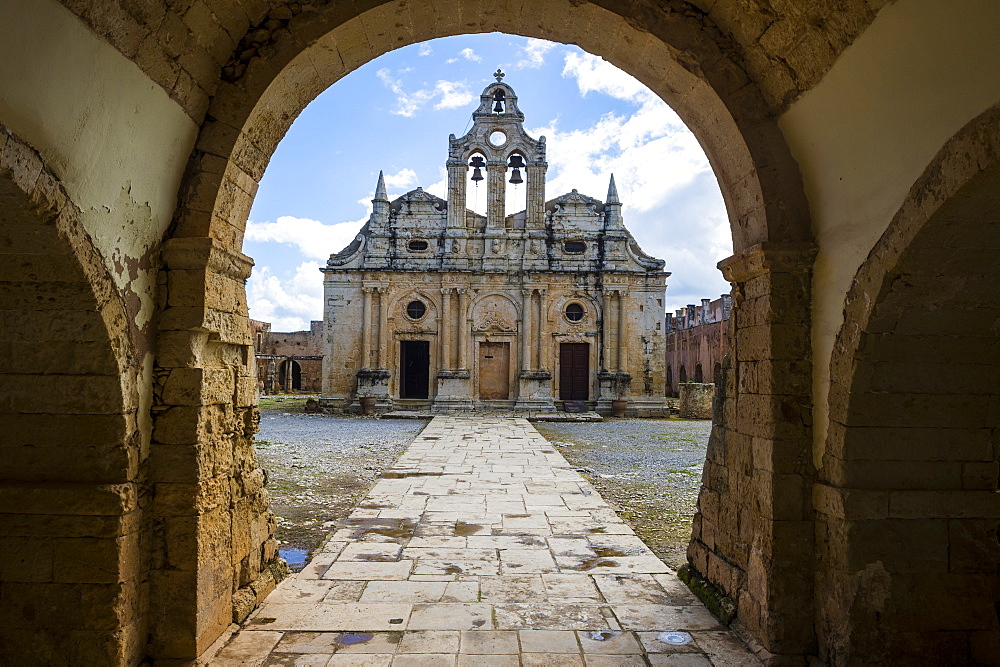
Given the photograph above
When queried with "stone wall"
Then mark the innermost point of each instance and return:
(696, 342)
(696, 400)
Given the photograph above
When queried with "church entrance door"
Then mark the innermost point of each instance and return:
(414, 368)
(574, 371)
(494, 371)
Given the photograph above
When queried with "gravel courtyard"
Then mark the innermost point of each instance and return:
(320, 466)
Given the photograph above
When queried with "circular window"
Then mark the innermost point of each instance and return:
(574, 312)
(417, 245)
(415, 310)
(498, 138)
(575, 247)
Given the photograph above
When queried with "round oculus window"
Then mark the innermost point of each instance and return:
(574, 312)
(415, 310)
(497, 138)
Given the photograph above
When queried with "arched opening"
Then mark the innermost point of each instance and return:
(759, 182)
(290, 375)
(72, 522)
(670, 379)
(907, 500)
(682, 376)
(717, 372)
(698, 375)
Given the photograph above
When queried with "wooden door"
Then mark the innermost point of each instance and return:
(494, 371)
(414, 368)
(574, 371)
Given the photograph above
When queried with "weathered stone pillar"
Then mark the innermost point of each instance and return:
(383, 328)
(753, 535)
(535, 214)
(444, 330)
(456, 193)
(366, 328)
(214, 556)
(463, 328)
(496, 192)
(526, 330)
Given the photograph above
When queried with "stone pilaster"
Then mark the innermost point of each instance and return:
(753, 535)
(366, 339)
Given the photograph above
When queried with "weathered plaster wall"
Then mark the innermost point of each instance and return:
(864, 134)
(88, 111)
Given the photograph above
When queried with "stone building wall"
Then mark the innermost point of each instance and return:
(288, 361)
(436, 304)
(696, 342)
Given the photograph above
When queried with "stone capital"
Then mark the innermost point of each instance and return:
(768, 257)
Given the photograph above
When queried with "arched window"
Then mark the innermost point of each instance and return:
(670, 378)
(416, 310)
(698, 377)
(574, 312)
(683, 375)
(717, 373)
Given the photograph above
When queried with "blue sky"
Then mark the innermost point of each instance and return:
(395, 114)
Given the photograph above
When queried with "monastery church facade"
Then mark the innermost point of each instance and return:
(434, 305)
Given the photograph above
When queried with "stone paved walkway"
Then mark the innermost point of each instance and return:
(482, 546)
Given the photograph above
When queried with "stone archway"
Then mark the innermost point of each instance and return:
(74, 514)
(682, 57)
(907, 509)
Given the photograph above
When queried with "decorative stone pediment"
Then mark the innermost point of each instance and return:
(495, 314)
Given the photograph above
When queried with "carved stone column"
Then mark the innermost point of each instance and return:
(444, 329)
(544, 345)
(605, 362)
(526, 330)
(622, 333)
(463, 328)
(383, 326)
(366, 328)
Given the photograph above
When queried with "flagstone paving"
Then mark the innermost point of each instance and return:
(483, 546)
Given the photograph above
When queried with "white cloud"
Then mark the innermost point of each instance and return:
(290, 303)
(401, 179)
(671, 199)
(533, 53)
(469, 54)
(594, 74)
(424, 49)
(450, 94)
(312, 238)
(454, 94)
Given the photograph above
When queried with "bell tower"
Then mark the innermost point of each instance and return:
(498, 144)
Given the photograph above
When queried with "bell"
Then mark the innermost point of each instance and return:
(498, 97)
(515, 178)
(516, 162)
(477, 163)
(498, 107)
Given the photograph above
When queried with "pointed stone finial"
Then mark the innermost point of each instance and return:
(380, 193)
(612, 192)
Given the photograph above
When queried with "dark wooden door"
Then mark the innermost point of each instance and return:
(494, 371)
(574, 371)
(414, 368)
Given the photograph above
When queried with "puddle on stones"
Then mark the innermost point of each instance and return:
(466, 529)
(296, 558)
(349, 638)
(592, 562)
(392, 528)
